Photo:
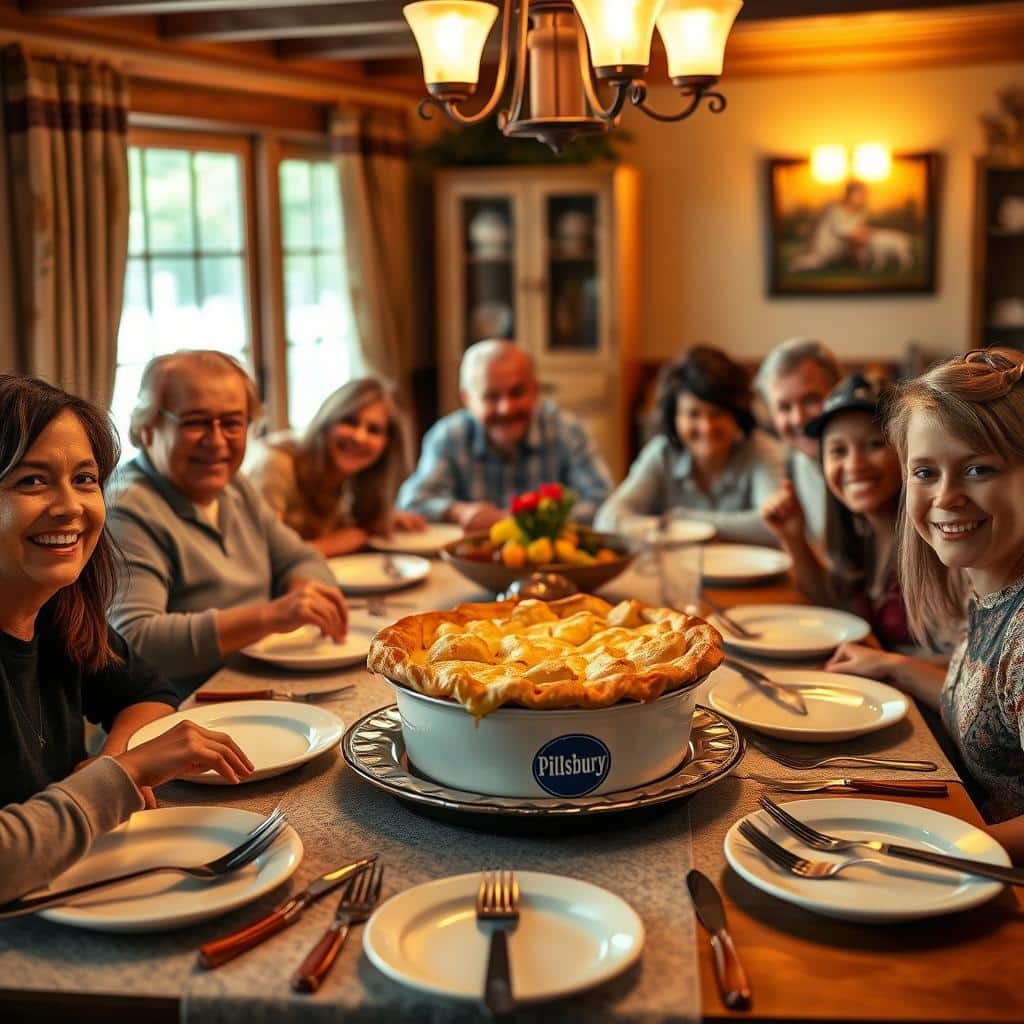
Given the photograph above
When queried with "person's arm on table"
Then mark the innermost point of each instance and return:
(643, 492)
(1010, 834)
(918, 678)
(343, 541)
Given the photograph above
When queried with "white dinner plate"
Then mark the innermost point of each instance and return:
(307, 649)
(570, 936)
(419, 542)
(368, 573)
(891, 890)
(172, 835)
(743, 563)
(839, 707)
(678, 531)
(792, 630)
(276, 735)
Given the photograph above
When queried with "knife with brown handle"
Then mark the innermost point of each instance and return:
(729, 972)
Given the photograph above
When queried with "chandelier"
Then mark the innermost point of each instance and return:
(558, 52)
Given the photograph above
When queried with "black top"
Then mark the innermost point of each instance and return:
(44, 694)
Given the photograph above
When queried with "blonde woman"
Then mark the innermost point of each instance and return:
(959, 432)
(336, 483)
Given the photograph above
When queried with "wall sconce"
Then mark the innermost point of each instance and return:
(870, 161)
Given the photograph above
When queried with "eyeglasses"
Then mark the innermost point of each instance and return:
(232, 425)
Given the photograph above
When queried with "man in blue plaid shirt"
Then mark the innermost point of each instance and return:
(504, 442)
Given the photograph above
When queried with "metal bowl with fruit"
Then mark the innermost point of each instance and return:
(537, 536)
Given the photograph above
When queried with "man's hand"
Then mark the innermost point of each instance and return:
(474, 515)
(313, 603)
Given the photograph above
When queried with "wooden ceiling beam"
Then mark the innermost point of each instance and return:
(364, 17)
(367, 47)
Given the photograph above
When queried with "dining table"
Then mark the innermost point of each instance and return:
(804, 967)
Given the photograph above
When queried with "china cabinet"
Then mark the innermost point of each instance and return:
(998, 314)
(546, 257)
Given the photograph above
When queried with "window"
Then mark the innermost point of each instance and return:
(187, 279)
(319, 328)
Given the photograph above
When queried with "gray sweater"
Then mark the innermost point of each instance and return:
(47, 833)
(182, 570)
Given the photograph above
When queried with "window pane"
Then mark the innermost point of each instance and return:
(168, 184)
(328, 206)
(224, 306)
(137, 219)
(296, 204)
(303, 317)
(219, 202)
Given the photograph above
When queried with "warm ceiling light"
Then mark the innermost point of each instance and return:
(695, 35)
(872, 161)
(564, 49)
(828, 164)
(450, 35)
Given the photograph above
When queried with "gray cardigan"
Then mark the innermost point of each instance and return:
(47, 833)
(661, 479)
(181, 570)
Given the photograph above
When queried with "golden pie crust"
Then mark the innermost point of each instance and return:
(580, 651)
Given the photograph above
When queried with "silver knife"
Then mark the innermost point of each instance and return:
(785, 696)
(732, 978)
(910, 787)
(220, 951)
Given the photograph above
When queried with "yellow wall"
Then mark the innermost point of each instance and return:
(704, 258)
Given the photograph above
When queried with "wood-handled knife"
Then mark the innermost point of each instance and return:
(732, 978)
(220, 951)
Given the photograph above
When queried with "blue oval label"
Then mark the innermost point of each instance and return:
(572, 765)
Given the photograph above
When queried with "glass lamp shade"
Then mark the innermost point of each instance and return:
(619, 33)
(450, 35)
(695, 33)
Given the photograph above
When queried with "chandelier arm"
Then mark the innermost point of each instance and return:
(515, 107)
(597, 108)
(716, 102)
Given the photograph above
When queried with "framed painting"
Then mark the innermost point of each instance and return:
(852, 237)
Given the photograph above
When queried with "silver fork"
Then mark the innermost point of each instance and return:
(793, 863)
(833, 844)
(497, 899)
(731, 624)
(802, 762)
(258, 840)
(391, 569)
(356, 904)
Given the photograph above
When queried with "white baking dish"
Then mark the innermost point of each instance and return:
(519, 752)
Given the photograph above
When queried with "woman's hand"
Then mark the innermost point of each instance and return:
(866, 660)
(309, 602)
(783, 514)
(184, 749)
(408, 521)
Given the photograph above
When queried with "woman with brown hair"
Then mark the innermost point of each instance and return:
(335, 485)
(59, 660)
(959, 432)
(708, 462)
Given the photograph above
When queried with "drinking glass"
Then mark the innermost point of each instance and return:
(679, 569)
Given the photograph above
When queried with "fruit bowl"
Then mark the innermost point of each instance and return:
(495, 576)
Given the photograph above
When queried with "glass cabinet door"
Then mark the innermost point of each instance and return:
(488, 256)
(573, 292)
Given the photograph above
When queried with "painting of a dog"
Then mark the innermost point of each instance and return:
(854, 236)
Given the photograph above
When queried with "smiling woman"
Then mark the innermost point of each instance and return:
(58, 658)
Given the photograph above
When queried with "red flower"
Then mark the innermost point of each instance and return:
(525, 502)
(552, 491)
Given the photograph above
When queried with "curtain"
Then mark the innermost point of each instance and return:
(64, 169)
(370, 148)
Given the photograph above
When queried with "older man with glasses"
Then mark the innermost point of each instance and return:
(210, 568)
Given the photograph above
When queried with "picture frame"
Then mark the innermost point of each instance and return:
(852, 237)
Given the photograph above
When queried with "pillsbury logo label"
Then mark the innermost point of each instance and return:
(571, 765)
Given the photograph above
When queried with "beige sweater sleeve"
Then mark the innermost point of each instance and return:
(44, 835)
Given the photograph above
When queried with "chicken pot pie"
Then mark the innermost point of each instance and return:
(580, 651)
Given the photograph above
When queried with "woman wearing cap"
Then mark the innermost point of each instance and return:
(862, 473)
(708, 462)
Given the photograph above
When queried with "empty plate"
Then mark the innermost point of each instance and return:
(743, 563)
(571, 935)
(677, 531)
(172, 835)
(839, 707)
(370, 573)
(276, 735)
(791, 630)
(892, 889)
(419, 542)
(306, 648)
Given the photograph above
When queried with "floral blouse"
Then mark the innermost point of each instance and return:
(982, 701)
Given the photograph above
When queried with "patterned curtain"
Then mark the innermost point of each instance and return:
(64, 208)
(370, 148)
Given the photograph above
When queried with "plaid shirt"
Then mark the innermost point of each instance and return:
(457, 464)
